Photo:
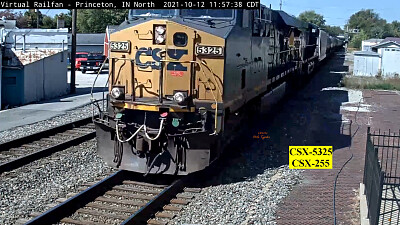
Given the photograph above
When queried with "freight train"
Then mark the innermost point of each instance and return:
(179, 79)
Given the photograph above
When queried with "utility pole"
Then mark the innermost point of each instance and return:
(37, 18)
(280, 5)
(73, 52)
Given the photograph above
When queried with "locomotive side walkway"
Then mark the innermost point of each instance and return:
(327, 116)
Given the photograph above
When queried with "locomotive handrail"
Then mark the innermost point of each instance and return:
(148, 32)
(123, 59)
(207, 80)
(91, 91)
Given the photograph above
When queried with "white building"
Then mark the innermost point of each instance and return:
(389, 53)
(34, 65)
(383, 59)
(367, 44)
(35, 38)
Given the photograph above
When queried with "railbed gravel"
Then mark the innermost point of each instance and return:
(247, 192)
(30, 188)
(68, 117)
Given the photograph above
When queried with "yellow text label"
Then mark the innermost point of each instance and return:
(310, 157)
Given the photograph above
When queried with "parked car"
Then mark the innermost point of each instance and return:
(79, 57)
(93, 63)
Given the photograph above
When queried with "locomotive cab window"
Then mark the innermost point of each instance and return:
(207, 13)
(258, 24)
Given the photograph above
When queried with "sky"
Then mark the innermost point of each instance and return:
(336, 12)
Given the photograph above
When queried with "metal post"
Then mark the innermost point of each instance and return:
(37, 18)
(23, 43)
(73, 52)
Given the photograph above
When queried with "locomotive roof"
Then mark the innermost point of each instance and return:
(292, 21)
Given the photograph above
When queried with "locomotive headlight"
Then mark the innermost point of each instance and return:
(160, 30)
(179, 97)
(118, 93)
(159, 34)
(160, 39)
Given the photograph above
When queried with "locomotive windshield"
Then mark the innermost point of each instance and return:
(207, 13)
(152, 12)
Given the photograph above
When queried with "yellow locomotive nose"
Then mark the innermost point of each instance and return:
(162, 63)
(161, 58)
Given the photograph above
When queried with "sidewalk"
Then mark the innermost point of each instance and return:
(45, 110)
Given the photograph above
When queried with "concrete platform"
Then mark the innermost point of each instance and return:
(327, 110)
(33, 113)
(45, 110)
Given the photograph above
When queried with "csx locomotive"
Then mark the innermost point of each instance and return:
(179, 79)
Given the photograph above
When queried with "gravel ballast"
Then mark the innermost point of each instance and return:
(68, 117)
(30, 188)
(248, 192)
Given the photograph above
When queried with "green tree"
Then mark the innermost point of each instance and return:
(96, 20)
(369, 22)
(49, 23)
(395, 27)
(31, 17)
(67, 18)
(356, 40)
(312, 17)
(333, 30)
(18, 16)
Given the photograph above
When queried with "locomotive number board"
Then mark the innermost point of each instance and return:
(120, 46)
(209, 50)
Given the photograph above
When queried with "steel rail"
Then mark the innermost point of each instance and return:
(68, 207)
(36, 136)
(64, 210)
(146, 212)
(45, 151)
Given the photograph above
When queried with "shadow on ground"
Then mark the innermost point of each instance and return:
(309, 116)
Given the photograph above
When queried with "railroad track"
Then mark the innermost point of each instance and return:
(21, 151)
(120, 199)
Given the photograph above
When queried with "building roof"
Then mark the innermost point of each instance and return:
(41, 37)
(88, 39)
(366, 53)
(8, 24)
(393, 39)
(30, 56)
(375, 40)
(385, 44)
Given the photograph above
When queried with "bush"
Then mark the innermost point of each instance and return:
(371, 83)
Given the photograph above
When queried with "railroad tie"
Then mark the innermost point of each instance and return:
(184, 196)
(80, 222)
(118, 201)
(172, 208)
(156, 222)
(193, 190)
(113, 208)
(97, 213)
(165, 215)
(129, 195)
(179, 201)
(136, 190)
(143, 184)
